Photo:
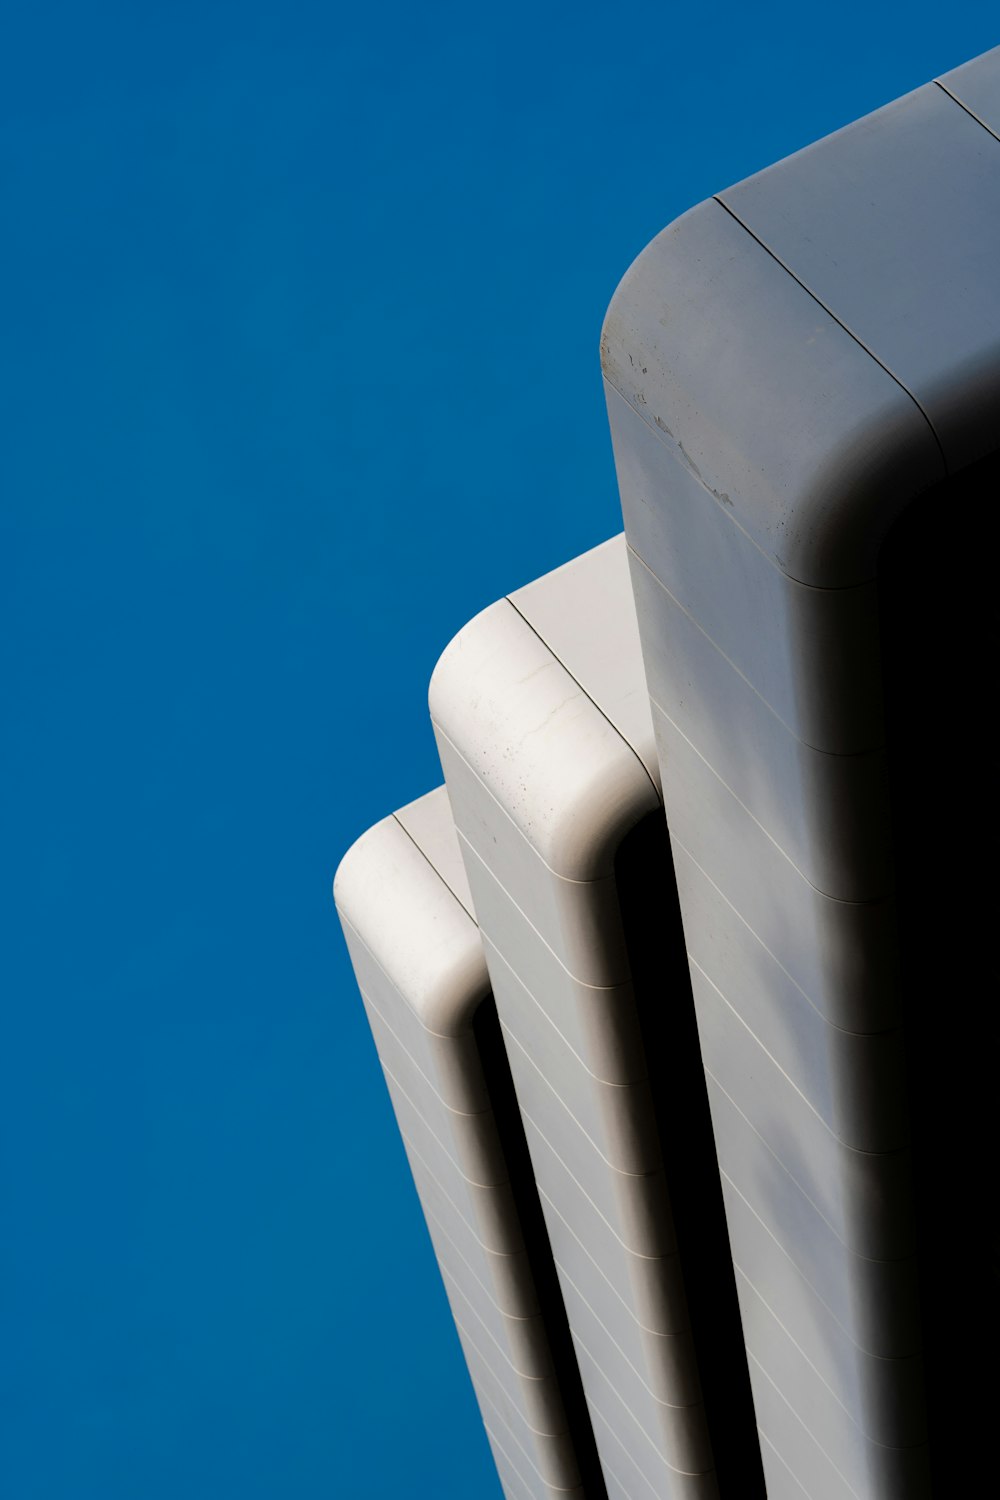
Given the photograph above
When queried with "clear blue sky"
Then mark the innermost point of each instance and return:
(301, 317)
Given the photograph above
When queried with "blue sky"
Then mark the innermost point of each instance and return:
(301, 316)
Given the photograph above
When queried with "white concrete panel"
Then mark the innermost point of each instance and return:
(540, 1462)
(544, 787)
(646, 1386)
(550, 900)
(890, 224)
(863, 1195)
(620, 1116)
(518, 1482)
(472, 1140)
(828, 812)
(649, 1287)
(420, 936)
(488, 1210)
(523, 1340)
(800, 1466)
(506, 1274)
(776, 415)
(552, 1453)
(807, 651)
(597, 1023)
(976, 86)
(852, 1079)
(839, 953)
(511, 1295)
(875, 1299)
(429, 823)
(634, 1203)
(634, 1482)
(781, 1482)
(791, 367)
(870, 1469)
(592, 643)
(418, 957)
(449, 1062)
(881, 1395)
(538, 744)
(673, 1453)
(535, 1395)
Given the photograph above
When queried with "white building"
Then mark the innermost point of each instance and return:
(710, 1202)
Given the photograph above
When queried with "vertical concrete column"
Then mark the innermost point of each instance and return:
(543, 727)
(788, 366)
(406, 913)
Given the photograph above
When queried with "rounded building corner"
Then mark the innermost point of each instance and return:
(392, 900)
(760, 402)
(352, 873)
(509, 715)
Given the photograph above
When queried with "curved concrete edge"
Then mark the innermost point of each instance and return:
(585, 612)
(429, 823)
(384, 884)
(779, 416)
(558, 768)
(820, 343)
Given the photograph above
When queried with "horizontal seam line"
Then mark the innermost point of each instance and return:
(877, 1260)
(963, 106)
(448, 1036)
(600, 988)
(490, 1187)
(670, 1405)
(460, 1114)
(491, 1372)
(451, 1281)
(656, 1447)
(588, 695)
(645, 1176)
(553, 1437)
(608, 1083)
(806, 1429)
(840, 323)
(612, 1432)
(827, 895)
(638, 1254)
(560, 1489)
(566, 879)
(671, 1255)
(884, 1031)
(891, 1447)
(839, 1140)
(520, 1253)
(424, 855)
(868, 1353)
(429, 1213)
(806, 745)
(789, 1470)
(768, 557)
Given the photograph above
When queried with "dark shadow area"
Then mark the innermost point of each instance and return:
(938, 603)
(658, 960)
(500, 1086)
